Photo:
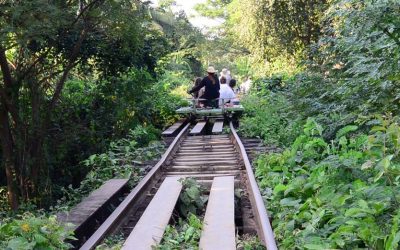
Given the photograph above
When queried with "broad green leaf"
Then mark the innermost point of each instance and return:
(279, 188)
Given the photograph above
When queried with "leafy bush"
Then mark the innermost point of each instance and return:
(269, 118)
(112, 242)
(184, 235)
(122, 160)
(339, 194)
(3, 202)
(34, 232)
(248, 242)
(192, 199)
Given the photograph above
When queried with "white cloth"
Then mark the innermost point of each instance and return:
(226, 92)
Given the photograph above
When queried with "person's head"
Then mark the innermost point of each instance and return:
(197, 81)
(223, 80)
(211, 70)
(224, 72)
(232, 83)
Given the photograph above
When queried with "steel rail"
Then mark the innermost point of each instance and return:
(264, 226)
(119, 213)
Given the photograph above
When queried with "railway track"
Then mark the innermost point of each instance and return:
(220, 163)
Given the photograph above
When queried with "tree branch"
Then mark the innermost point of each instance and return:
(85, 9)
(393, 37)
(10, 107)
(71, 64)
(8, 81)
(28, 70)
(8, 84)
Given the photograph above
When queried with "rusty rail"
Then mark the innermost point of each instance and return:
(264, 226)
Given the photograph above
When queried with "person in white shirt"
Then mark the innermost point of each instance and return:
(225, 92)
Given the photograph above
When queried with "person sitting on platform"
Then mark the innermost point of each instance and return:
(226, 93)
(211, 88)
(199, 93)
(232, 84)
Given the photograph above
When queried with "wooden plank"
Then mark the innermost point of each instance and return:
(184, 169)
(206, 137)
(223, 146)
(210, 150)
(218, 126)
(150, 228)
(89, 205)
(239, 108)
(205, 159)
(207, 154)
(198, 128)
(171, 130)
(185, 110)
(209, 111)
(214, 111)
(202, 176)
(206, 163)
(219, 221)
(201, 143)
(215, 172)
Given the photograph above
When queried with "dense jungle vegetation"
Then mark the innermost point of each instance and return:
(86, 86)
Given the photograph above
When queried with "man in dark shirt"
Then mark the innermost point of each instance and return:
(211, 84)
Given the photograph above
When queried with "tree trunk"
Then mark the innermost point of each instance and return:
(7, 146)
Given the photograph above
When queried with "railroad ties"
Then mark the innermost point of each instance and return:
(219, 222)
(215, 159)
(93, 209)
(217, 127)
(205, 157)
(172, 130)
(151, 226)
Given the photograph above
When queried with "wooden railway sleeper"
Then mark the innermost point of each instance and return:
(207, 148)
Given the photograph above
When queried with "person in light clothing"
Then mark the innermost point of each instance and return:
(246, 86)
(226, 93)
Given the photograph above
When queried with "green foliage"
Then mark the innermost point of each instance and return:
(213, 8)
(91, 115)
(113, 242)
(123, 159)
(269, 118)
(270, 29)
(249, 242)
(272, 35)
(342, 194)
(3, 202)
(192, 199)
(34, 232)
(355, 64)
(184, 235)
(104, 54)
